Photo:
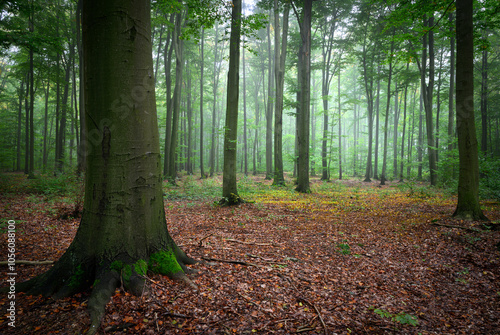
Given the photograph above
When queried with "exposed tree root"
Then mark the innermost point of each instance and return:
(453, 226)
(73, 274)
(470, 215)
(101, 294)
(232, 200)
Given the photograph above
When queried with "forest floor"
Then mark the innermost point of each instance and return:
(349, 258)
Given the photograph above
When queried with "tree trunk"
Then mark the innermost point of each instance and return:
(202, 163)
(484, 102)
(31, 167)
(279, 64)
(245, 144)
(269, 106)
(395, 133)
(340, 127)
(386, 124)
(123, 228)
(451, 97)
(326, 75)
(178, 45)
(214, 108)
(404, 129)
(229, 190)
(468, 179)
(377, 123)
(427, 93)
(420, 149)
(27, 126)
(82, 148)
(189, 116)
(19, 125)
(45, 129)
(304, 103)
(167, 59)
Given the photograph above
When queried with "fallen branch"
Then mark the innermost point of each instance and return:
(27, 262)
(229, 261)
(317, 311)
(453, 226)
(199, 243)
(249, 243)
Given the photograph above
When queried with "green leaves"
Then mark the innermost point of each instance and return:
(402, 317)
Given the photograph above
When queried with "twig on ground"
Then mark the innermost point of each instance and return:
(250, 300)
(249, 243)
(229, 261)
(199, 243)
(317, 311)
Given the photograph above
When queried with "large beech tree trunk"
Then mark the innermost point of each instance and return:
(468, 178)
(123, 228)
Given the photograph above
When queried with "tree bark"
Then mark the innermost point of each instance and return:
(451, 97)
(245, 144)
(427, 95)
(468, 206)
(279, 73)
(167, 59)
(229, 189)
(19, 125)
(31, 166)
(386, 124)
(484, 102)
(123, 227)
(214, 109)
(304, 103)
(269, 106)
(178, 45)
(327, 75)
(202, 163)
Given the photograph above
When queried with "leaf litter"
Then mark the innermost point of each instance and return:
(350, 258)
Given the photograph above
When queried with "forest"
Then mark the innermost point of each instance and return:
(322, 166)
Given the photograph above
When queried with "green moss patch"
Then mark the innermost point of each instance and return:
(165, 263)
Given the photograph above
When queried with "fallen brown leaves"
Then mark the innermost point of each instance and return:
(318, 263)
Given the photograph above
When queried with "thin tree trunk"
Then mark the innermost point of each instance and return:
(82, 148)
(404, 129)
(27, 126)
(386, 125)
(427, 92)
(178, 45)
(214, 108)
(420, 149)
(245, 144)
(31, 168)
(395, 132)
(484, 102)
(340, 127)
(229, 189)
(19, 126)
(202, 65)
(279, 63)
(377, 124)
(167, 58)
(269, 106)
(189, 114)
(451, 96)
(304, 103)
